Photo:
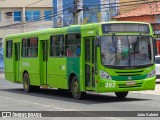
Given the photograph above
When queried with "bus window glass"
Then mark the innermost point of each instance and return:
(126, 50)
(72, 47)
(141, 53)
(9, 49)
(24, 45)
(33, 42)
(32, 48)
(57, 45)
(108, 47)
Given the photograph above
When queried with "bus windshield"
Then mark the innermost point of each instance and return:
(126, 50)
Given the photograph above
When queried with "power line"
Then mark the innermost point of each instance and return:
(54, 15)
(36, 20)
(122, 2)
(34, 3)
(25, 6)
(118, 6)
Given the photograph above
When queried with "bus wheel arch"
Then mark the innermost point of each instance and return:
(25, 71)
(27, 85)
(75, 88)
(72, 75)
(26, 82)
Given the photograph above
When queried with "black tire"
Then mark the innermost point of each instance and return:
(26, 83)
(76, 93)
(62, 90)
(35, 88)
(121, 95)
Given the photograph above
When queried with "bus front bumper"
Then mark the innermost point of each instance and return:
(128, 85)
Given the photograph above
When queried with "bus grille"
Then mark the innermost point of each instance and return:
(129, 73)
(131, 86)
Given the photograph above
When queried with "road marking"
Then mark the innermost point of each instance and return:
(146, 92)
(43, 105)
(92, 115)
(59, 108)
(112, 118)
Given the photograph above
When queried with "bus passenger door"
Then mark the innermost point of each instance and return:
(44, 58)
(17, 59)
(89, 63)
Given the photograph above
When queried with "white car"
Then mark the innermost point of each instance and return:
(157, 61)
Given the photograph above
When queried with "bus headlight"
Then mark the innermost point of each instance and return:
(105, 75)
(152, 73)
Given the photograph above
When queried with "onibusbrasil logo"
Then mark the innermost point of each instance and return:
(21, 114)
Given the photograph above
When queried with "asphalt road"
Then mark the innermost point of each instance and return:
(13, 98)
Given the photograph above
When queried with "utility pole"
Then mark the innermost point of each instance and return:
(76, 10)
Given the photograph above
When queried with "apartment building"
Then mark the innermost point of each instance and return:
(17, 16)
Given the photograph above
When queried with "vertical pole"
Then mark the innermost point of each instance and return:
(75, 11)
(23, 18)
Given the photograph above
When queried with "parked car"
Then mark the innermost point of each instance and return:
(157, 61)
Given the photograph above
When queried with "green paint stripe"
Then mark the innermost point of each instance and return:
(124, 78)
(74, 29)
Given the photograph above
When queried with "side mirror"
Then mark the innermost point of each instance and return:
(97, 42)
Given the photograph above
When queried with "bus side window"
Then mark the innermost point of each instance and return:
(68, 51)
(29, 53)
(73, 44)
(32, 52)
(78, 51)
(9, 49)
(57, 45)
(24, 47)
(31, 47)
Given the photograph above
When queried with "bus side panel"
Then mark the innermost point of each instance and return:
(56, 70)
(31, 65)
(9, 73)
(50, 72)
(8, 65)
(73, 66)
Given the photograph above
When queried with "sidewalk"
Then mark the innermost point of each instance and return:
(2, 76)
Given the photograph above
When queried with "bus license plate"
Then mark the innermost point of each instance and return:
(130, 83)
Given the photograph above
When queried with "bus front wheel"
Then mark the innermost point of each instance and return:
(75, 89)
(26, 83)
(121, 95)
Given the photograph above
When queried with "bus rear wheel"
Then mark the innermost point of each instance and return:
(75, 89)
(121, 95)
(26, 83)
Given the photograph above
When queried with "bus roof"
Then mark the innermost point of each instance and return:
(38, 32)
(69, 29)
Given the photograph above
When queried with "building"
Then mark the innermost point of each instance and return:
(128, 5)
(149, 12)
(14, 15)
(68, 12)
(17, 16)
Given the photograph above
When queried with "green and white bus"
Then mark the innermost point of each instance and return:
(100, 57)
